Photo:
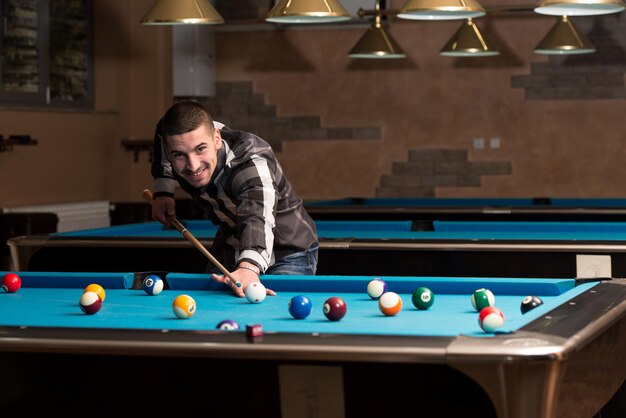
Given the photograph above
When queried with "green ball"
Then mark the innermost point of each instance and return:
(481, 298)
(423, 298)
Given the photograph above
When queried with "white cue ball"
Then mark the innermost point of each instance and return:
(255, 292)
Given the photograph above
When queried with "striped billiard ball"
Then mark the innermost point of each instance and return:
(376, 287)
(184, 306)
(490, 319)
(228, 325)
(153, 285)
(90, 302)
(390, 303)
(481, 298)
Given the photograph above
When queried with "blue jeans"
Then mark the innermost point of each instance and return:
(300, 263)
(303, 262)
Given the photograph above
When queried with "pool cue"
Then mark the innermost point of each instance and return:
(147, 194)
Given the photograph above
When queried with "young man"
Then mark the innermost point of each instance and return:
(263, 226)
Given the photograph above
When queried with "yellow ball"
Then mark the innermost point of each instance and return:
(97, 289)
(184, 306)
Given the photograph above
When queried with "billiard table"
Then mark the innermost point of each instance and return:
(472, 209)
(562, 359)
(436, 248)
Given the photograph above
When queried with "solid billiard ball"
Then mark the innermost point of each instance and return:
(255, 292)
(376, 287)
(300, 307)
(529, 303)
(481, 298)
(490, 318)
(153, 285)
(335, 308)
(228, 325)
(94, 287)
(11, 282)
(423, 298)
(390, 303)
(90, 302)
(184, 306)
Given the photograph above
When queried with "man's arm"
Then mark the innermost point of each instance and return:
(165, 184)
(256, 199)
(161, 169)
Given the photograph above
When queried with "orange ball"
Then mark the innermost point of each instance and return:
(99, 290)
(390, 303)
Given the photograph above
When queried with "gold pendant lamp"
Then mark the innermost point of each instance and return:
(441, 9)
(376, 42)
(468, 42)
(177, 12)
(579, 7)
(307, 11)
(564, 39)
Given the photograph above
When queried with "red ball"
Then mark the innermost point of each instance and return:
(90, 302)
(335, 308)
(490, 319)
(11, 282)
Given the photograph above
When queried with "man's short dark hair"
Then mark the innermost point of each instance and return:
(184, 117)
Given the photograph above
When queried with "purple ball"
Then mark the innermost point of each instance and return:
(376, 288)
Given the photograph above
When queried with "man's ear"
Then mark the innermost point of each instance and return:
(217, 137)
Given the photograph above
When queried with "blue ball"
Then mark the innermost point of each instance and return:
(300, 307)
(228, 325)
(153, 284)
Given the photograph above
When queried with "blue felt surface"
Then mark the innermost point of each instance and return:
(206, 229)
(74, 280)
(451, 314)
(384, 230)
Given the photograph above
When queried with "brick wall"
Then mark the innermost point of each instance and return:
(599, 75)
(239, 107)
(428, 169)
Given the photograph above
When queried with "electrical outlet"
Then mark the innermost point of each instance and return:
(494, 143)
(479, 143)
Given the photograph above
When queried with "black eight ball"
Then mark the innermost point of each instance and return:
(529, 303)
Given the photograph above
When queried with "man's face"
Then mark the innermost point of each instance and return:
(194, 154)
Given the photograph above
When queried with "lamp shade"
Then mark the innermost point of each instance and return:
(177, 12)
(564, 39)
(579, 7)
(376, 43)
(440, 9)
(468, 42)
(307, 11)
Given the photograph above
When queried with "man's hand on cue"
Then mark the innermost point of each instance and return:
(245, 277)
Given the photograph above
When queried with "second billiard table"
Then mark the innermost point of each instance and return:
(441, 248)
(562, 359)
(470, 209)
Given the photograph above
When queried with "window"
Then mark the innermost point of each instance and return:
(46, 53)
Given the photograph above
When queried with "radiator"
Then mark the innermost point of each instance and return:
(73, 216)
